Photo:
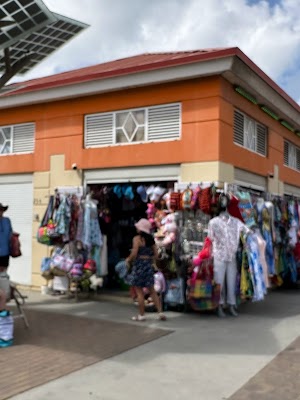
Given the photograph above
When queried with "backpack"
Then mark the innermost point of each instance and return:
(186, 199)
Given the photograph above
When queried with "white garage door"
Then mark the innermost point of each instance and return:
(151, 173)
(16, 191)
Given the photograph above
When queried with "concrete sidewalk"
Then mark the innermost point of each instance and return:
(205, 358)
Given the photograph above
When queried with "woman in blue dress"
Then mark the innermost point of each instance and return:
(142, 255)
(5, 236)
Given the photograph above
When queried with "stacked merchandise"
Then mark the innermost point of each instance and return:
(71, 226)
(181, 234)
(275, 239)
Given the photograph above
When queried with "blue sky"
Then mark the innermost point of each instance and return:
(267, 31)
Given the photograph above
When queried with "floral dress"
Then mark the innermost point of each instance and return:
(142, 272)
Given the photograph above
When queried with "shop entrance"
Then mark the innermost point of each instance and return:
(120, 206)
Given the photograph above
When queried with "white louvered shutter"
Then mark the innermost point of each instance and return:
(292, 156)
(23, 138)
(99, 130)
(164, 122)
(261, 143)
(298, 159)
(286, 153)
(238, 128)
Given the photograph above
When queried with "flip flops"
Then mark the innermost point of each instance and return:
(139, 318)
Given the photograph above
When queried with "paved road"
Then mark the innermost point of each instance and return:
(206, 358)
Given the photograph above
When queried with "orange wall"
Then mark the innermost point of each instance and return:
(59, 128)
(207, 130)
(244, 159)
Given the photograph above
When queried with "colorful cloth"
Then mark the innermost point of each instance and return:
(256, 269)
(246, 208)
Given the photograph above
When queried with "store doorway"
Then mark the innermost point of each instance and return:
(120, 206)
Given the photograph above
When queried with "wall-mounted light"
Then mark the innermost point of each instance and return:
(269, 112)
(245, 94)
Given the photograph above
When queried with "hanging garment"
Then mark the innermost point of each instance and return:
(246, 286)
(92, 235)
(233, 208)
(264, 222)
(262, 253)
(95, 253)
(246, 208)
(224, 232)
(63, 218)
(256, 268)
(104, 261)
(289, 266)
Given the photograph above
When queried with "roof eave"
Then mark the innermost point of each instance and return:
(163, 75)
(242, 74)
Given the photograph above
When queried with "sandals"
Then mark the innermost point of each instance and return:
(139, 318)
(162, 317)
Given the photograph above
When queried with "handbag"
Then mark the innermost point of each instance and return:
(46, 230)
(45, 264)
(208, 303)
(203, 292)
(201, 289)
(64, 260)
(15, 245)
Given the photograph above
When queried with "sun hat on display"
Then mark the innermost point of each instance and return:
(143, 225)
(141, 190)
(128, 192)
(118, 191)
(2, 207)
(157, 193)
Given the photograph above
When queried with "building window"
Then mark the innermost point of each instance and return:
(249, 134)
(158, 123)
(291, 156)
(16, 139)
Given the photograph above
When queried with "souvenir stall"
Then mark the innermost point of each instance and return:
(70, 227)
(90, 235)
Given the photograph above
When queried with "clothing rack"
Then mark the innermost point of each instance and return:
(253, 189)
(70, 190)
(181, 186)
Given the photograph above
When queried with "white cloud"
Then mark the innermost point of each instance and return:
(270, 36)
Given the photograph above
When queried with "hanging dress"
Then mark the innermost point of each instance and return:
(256, 269)
(264, 223)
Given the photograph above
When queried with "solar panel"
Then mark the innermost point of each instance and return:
(44, 41)
(27, 15)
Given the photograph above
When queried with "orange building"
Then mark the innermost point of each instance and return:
(209, 115)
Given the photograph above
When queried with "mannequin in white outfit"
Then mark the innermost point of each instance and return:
(224, 231)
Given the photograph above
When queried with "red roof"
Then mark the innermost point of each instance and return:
(136, 64)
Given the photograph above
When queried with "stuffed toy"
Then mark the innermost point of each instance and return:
(169, 231)
(151, 210)
(160, 215)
